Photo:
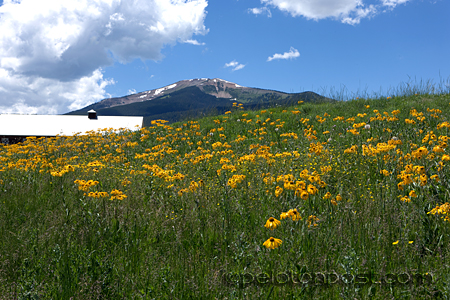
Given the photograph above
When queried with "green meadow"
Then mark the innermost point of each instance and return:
(317, 200)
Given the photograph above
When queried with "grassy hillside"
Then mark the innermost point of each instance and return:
(332, 200)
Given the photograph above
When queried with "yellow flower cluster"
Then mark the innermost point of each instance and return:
(64, 170)
(413, 174)
(443, 125)
(316, 148)
(301, 188)
(334, 201)
(292, 213)
(351, 150)
(353, 131)
(272, 223)
(95, 164)
(235, 180)
(309, 133)
(420, 153)
(98, 194)
(266, 151)
(193, 186)
(369, 150)
(85, 185)
(443, 209)
(289, 134)
(117, 194)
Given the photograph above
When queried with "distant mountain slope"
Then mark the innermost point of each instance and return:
(191, 98)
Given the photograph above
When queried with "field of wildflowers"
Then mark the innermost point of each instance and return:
(342, 200)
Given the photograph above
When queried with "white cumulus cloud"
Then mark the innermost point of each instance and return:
(234, 65)
(346, 11)
(359, 14)
(317, 9)
(393, 3)
(293, 53)
(52, 52)
(38, 95)
(194, 42)
(260, 11)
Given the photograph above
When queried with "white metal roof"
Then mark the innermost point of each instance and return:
(52, 125)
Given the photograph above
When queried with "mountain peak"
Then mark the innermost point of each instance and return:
(217, 89)
(210, 81)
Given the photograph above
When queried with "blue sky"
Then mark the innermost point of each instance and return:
(53, 61)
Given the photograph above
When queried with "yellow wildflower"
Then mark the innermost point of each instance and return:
(272, 243)
(327, 196)
(284, 216)
(278, 191)
(272, 223)
(405, 199)
(294, 214)
(435, 178)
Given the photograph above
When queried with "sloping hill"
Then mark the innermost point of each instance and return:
(192, 98)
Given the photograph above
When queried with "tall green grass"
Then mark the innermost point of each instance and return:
(198, 237)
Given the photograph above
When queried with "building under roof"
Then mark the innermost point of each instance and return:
(16, 128)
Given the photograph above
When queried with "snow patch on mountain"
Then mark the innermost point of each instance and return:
(159, 91)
